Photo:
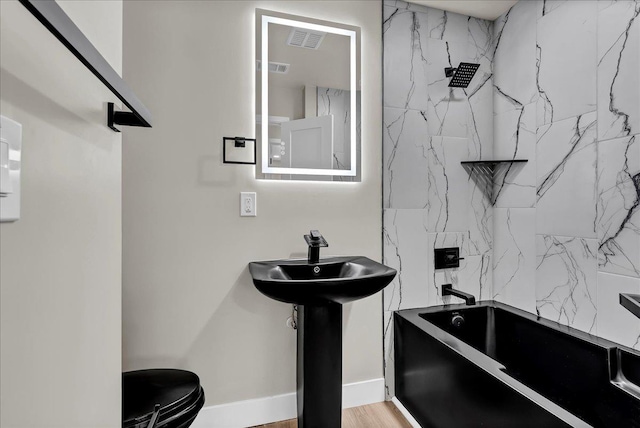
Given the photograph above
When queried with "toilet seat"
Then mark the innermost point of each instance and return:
(178, 392)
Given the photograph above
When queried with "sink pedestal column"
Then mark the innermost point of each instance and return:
(319, 366)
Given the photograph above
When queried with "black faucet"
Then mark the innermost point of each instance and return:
(315, 241)
(447, 290)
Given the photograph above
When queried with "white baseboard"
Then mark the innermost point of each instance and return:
(362, 393)
(242, 414)
(405, 413)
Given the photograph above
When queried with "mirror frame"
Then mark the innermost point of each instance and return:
(267, 19)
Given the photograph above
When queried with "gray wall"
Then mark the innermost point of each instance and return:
(188, 297)
(60, 265)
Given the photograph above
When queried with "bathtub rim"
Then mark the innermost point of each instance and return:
(491, 366)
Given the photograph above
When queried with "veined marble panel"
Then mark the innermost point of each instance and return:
(405, 6)
(566, 185)
(480, 91)
(514, 64)
(616, 323)
(447, 109)
(340, 160)
(405, 249)
(618, 65)
(566, 61)
(477, 277)
(389, 360)
(405, 58)
(480, 42)
(447, 26)
(337, 102)
(545, 7)
(619, 206)
(603, 4)
(480, 221)
(515, 138)
(514, 257)
(480, 216)
(480, 116)
(444, 276)
(566, 281)
(405, 168)
(448, 185)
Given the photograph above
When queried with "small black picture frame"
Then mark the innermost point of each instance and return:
(238, 143)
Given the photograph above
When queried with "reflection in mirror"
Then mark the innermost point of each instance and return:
(308, 102)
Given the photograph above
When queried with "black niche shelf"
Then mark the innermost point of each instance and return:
(491, 175)
(631, 302)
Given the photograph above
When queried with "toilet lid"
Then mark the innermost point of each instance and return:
(178, 393)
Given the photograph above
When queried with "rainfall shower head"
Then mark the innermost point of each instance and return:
(461, 76)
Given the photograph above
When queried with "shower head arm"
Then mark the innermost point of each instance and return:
(449, 71)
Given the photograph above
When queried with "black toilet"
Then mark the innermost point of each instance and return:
(160, 398)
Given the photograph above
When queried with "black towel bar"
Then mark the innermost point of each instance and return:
(51, 15)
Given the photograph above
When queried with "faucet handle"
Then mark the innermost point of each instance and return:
(315, 239)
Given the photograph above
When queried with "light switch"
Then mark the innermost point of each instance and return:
(10, 166)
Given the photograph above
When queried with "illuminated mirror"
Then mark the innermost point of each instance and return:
(308, 99)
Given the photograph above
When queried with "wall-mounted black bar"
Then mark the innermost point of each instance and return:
(125, 118)
(51, 15)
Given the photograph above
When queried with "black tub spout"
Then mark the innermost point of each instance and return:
(447, 290)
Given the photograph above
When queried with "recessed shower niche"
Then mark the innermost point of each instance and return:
(491, 175)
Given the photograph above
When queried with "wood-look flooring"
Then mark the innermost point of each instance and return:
(378, 415)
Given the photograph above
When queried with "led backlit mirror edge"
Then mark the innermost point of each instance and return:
(264, 54)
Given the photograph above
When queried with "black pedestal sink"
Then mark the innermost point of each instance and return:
(319, 290)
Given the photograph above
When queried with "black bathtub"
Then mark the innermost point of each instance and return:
(507, 368)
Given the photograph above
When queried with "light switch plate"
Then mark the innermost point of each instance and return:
(11, 132)
(248, 206)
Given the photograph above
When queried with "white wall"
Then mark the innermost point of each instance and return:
(188, 300)
(60, 265)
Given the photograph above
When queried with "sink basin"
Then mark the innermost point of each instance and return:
(319, 289)
(336, 279)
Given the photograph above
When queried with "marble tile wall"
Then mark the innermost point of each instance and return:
(618, 210)
(618, 78)
(428, 198)
(558, 85)
(514, 252)
(567, 98)
(337, 102)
